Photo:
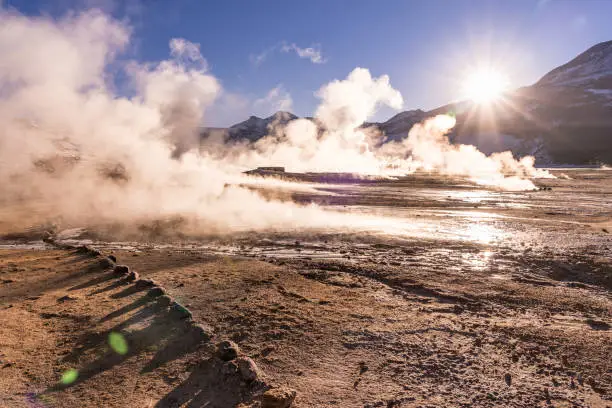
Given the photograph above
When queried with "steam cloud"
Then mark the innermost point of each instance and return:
(335, 142)
(70, 146)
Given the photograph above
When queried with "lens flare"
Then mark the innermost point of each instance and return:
(485, 85)
(69, 376)
(118, 343)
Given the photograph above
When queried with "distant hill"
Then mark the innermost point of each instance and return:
(252, 129)
(590, 70)
(255, 128)
(565, 117)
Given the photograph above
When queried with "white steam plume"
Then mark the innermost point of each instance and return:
(430, 150)
(68, 142)
(334, 141)
(69, 145)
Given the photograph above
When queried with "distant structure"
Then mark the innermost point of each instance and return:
(266, 170)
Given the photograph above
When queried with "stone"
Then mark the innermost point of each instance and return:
(278, 398)
(248, 369)
(227, 350)
(112, 258)
(164, 301)
(156, 291)
(121, 270)
(132, 276)
(180, 311)
(106, 263)
(201, 332)
(145, 283)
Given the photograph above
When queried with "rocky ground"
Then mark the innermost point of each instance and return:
(482, 299)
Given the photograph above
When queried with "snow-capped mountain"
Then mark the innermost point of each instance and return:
(565, 117)
(569, 109)
(590, 70)
(255, 128)
(398, 126)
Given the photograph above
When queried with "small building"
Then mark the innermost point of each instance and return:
(266, 170)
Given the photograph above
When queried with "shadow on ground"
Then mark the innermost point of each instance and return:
(213, 384)
(155, 331)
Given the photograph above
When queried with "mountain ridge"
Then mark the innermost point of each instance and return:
(565, 117)
(594, 64)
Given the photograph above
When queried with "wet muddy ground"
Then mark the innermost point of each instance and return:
(457, 296)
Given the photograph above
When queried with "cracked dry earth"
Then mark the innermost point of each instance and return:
(520, 319)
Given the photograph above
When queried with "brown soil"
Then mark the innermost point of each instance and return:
(490, 299)
(338, 333)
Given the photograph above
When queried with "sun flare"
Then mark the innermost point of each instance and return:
(485, 85)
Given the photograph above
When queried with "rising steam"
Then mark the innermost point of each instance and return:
(73, 148)
(334, 141)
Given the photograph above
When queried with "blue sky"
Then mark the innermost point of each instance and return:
(426, 47)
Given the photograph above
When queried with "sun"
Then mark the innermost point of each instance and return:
(485, 85)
